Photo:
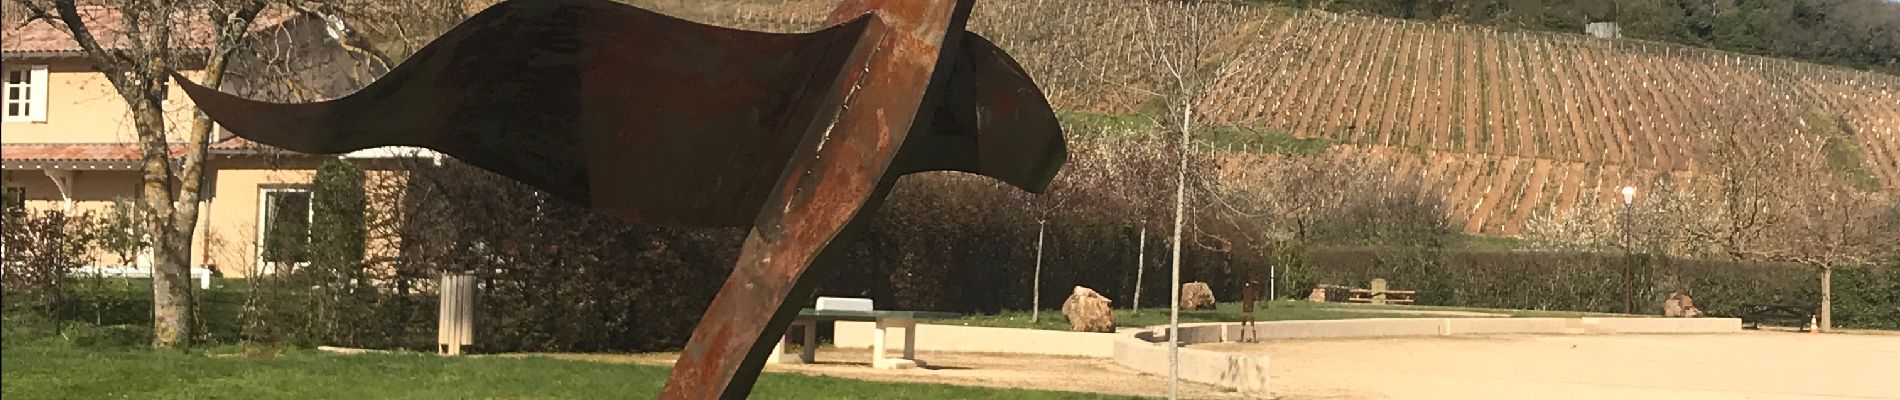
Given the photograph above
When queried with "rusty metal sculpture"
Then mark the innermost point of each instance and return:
(664, 121)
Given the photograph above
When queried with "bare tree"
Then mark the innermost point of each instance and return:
(151, 39)
(1179, 41)
(1831, 225)
(1044, 207)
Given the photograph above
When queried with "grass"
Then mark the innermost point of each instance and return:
(1277, 310)
(1088, 123)
(52, 368)
(1843, 153)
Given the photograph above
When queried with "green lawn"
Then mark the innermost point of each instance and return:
(1278, 310)
(48, 369)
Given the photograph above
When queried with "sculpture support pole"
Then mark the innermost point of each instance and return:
(844, 165)
(724, 342)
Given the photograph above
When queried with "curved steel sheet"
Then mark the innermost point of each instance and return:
(663, 121)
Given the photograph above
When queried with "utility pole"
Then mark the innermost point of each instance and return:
(1629, 264)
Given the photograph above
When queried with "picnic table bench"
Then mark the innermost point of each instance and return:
(1380, 294)
(1753, 315)
(808, 320)
(1382, 297)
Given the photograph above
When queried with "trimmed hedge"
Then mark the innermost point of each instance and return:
(1866, 297)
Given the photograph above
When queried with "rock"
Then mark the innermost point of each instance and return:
(1688, 308)
(1196, 296)
(1088, 311)
(1680, 306)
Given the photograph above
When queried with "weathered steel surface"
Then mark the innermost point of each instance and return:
(664, 121)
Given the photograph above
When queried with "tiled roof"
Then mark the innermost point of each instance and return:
(238, 143)
(107, 26)
(76, 151)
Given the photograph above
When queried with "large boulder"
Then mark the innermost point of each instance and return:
(1088, 311)
(1196, 296)
(1680, 306)
(1318, 295)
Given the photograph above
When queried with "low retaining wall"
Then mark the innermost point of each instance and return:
(1242, 372)
(1388, 327)
(1654, 325)
(1147, 351)
(984, 340)
(1343, 328)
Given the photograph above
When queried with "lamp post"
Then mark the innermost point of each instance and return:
(1629, 264)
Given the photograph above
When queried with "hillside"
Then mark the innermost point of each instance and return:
(1498, 124)
(1503, 123)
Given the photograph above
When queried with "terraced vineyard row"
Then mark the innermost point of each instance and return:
(1510, 122)
(1505, 121)
(1496, 195)
(1561, 97)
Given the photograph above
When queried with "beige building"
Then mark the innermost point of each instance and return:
(69, 143)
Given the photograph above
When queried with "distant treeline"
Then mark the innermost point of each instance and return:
(1863, 34)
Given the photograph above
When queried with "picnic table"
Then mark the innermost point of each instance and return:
(808, 320)
(1380, 294)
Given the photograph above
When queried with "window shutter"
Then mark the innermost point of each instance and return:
(38, 89)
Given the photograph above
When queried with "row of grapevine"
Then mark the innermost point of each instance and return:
(1554, 96)
(1498, 123)
(1523, 121)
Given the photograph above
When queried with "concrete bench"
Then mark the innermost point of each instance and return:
(808, 319)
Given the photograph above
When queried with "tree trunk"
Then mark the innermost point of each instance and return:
(1174, 287)
(171, 264)
(1035, 290)
(171, 196)
(1141, 259)
(1827, 298)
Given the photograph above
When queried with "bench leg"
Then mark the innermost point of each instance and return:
(877, 343)
(809, 354)
(910, 340)
(879, 347)
(779, 351)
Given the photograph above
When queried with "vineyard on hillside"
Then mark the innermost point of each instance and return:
(1510, 122)
(1499, 124)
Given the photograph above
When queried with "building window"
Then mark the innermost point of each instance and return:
(284, 227)
(13, 201)
(26, 93)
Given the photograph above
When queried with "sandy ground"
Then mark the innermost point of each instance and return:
(1447, 313)
(1751, 365)
(1078, 374)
